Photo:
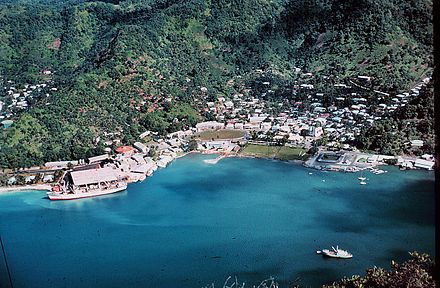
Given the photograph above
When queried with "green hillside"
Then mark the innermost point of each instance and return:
(129, 66)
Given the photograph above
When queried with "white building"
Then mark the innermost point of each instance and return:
(417, 143)
(424, 164)
(98, 158)
(141, 147)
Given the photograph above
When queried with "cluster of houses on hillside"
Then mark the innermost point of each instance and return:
(301, 126)
(292, 124)
(14, 97)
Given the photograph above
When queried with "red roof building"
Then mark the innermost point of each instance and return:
(125, 149)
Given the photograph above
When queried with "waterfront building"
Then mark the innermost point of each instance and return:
(424, 164)
(141, 147)
(125, 150)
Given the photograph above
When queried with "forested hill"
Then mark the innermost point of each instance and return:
(128, 66)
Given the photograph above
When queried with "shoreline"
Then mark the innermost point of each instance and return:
(221, 155)
(26, 188)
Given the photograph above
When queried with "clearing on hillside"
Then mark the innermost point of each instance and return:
(220, 134)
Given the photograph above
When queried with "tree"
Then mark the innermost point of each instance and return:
(192, 145)
(4, 179)
(20, 180)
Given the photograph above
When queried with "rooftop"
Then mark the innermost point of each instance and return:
(93, 176)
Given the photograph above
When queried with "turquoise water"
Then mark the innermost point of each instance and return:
(193, 224)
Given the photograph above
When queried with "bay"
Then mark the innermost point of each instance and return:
(193, 224)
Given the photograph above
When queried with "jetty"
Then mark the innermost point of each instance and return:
(215, 160)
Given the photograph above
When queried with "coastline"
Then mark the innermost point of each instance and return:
(26, 188)
(221, 155)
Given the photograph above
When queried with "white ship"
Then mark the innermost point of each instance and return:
(87, 183)
(335, 253)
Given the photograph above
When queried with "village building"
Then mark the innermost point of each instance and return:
(60, 164)
(416, 143)
(141, 147)
(125, 150)
(424, 164)
(99, 158)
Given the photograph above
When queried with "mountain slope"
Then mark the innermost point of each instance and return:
(135, 65)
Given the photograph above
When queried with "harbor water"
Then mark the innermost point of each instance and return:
(196, 223)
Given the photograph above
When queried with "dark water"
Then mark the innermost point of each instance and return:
(193, 224)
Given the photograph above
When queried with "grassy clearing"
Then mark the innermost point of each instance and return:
(220, 134)
(277, 152)
(330, 157)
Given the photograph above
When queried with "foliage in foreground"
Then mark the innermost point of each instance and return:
(417, 272)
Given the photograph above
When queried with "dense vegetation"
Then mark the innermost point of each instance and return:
(392, 135)
(128, 66)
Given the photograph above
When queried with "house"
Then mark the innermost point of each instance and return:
(229, 105)
(336, 119)
(427, 156)
(164, 160)
(12, 180)
(98, 158)
(141, 147)
(284, 128)
(315, 131)
(251, 126)
(257, 119)
(125, 150)
(60, 164)
(416, 143)
(265, 126)
(139, 158)
(145, 134)
(294, 138)
(29, 179)
(174, 142)
(319, 110)
(141, 168)
(239, 126)
(230, 126)
(48, 178)
(367, 78)
(373, 159)
(307, 86)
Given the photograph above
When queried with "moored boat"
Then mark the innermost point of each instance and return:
(79, 195)
(87, 183)
(336, 253)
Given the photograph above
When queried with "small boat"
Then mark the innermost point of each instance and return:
(363, 183)
(362, 178)
(335, 253)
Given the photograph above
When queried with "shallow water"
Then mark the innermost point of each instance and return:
(193, 224)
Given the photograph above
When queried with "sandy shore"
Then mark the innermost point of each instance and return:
(40, 187)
